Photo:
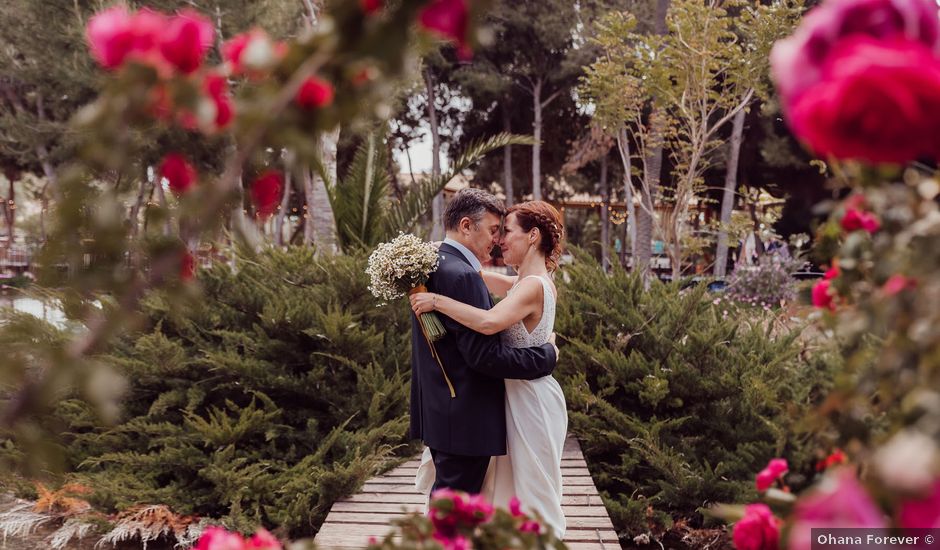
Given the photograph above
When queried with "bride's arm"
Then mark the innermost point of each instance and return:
(507, 312)
(497, 283)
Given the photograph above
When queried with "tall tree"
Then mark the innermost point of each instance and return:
(759, 26)
(535, 50)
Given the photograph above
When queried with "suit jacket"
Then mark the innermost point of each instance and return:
(474, 422)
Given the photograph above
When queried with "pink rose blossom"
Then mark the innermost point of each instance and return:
(251, 53)
(266, 192)
(766, 477)
(897, 283)
(515, 507)
(186, 39)
(797, 61)
(217, 89)
(111, 37)
(179, 173)
(822, 298)
(530, 526)
(457, 542)
(314, 93)
(840, 501)
(217, 538)
(371, 6)
(922, 513)
(263, 540)
(450, 19)
(853, 220)
(875, 101)
(757, 530)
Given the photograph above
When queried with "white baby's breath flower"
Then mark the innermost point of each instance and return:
(399, 265)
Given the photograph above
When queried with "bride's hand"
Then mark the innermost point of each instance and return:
(423, 302)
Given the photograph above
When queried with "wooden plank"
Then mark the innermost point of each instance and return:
(378, 507)
(352, 521)
(399, 488)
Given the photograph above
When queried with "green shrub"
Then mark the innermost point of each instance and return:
(281, 390)
(676, 405)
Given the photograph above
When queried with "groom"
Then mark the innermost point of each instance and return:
(465, 431)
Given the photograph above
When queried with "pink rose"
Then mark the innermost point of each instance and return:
(111, 37)
(876, 101)
(477, 510)
(179, 173)
(217, 89)
(530, 526)
(836, 457)
(251, 53)
(896, 283)
(515, 507)
(757, 530)
(797, 61)
(458, 542)
(233, 49)
(266, 192)
(839, 501)
(217, 538)
(370, 6)
(822, 298)
(923, 513)
(314, 93)
(263, 540)
(448, 18)
(853, 220)
(188, 273)
(186, 39)
(766, 477)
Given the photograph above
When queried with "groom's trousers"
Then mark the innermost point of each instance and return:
(458, 472)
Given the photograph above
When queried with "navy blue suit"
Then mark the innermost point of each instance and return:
(463, 432)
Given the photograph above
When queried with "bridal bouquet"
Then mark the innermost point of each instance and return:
(402, 266)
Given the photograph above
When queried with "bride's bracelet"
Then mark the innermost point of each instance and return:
(434, 302)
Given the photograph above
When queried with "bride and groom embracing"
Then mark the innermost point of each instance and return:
(503, 434)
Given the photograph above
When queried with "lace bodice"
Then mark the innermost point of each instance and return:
(517, 336)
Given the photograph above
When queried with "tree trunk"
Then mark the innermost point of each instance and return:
(727, 199)
(654, 164)
(649, 195)
(629, 228)
(309, 204)
(390, 168)
(537, 148)
(10, 211)
(285, 199)
(437, 206)
(134, 217)
(161, 199)
(507, 156)
(605, 216)
(323, 224)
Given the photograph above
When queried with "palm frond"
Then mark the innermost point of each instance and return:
(360, 200)
(405, 214)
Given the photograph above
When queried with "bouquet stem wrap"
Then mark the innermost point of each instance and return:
(433, 330)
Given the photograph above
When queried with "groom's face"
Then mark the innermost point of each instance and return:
(483, 236)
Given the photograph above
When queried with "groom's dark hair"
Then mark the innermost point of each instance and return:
(471, 203)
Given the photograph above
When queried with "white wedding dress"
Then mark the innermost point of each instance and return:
(536, 425)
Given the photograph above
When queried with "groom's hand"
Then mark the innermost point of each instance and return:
(551, 340)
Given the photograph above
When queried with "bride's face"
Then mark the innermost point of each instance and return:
(515, 242)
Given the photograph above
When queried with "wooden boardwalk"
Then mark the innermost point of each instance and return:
(352, 521)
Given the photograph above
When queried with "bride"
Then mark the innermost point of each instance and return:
(536, 418)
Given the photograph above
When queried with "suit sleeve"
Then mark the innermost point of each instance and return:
(487, 354)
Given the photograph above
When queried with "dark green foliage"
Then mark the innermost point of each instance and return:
(676, 406)
(281, 390)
